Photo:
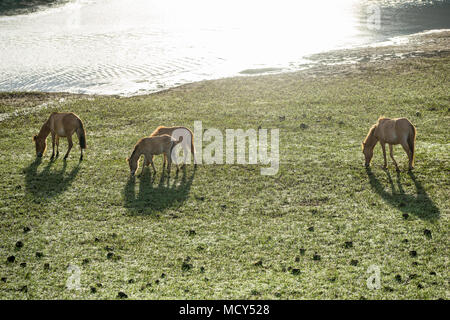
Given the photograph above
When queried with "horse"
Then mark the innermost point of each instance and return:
(60, 124)
(391, 131)
(176, 132)
(149, 147)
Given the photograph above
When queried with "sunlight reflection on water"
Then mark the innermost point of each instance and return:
(139, 46)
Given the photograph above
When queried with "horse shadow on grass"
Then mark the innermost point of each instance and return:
(48, 182)
(154, 196)
(419, 205)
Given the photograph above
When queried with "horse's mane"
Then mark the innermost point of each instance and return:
(135, 148)
(370, 134)
(156, 130)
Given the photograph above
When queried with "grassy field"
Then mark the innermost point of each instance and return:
(225, 231)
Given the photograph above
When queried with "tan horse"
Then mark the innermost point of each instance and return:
(60, 124)
(391, 131)
(177, 132)
(152, 146)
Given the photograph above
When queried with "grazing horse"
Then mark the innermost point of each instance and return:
(391, 131)
(176, 132)
(153, 146)
(60, 124)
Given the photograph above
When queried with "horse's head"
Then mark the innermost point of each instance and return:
(133, 165)
(368, 153)
(41, 145)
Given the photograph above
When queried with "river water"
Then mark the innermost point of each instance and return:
(130, 47)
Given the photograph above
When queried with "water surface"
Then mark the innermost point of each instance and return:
(139, 46)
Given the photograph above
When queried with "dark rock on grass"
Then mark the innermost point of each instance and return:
(258, 263)
(86, 261)
(398, 278)
(11, 259)
(295, 272)
(316, 257)
(97, 240)
(413, 253)
(427, 233)
(354, 262)
(131, 281)
(24, 289)
(186, 266)
(412, 276)
(122, 295)
(192, 232)
(110, 255)
(302, 251)
(93, 289)
(23, 264)
(277, 294)
(432, 273)
(303, 126)
(39, 254)
(255, 293)
(47, 266)
(348, 244)
(405, 240)
(420, 286)
(418, 114)
(297, 259)
(157, 281)
(163, 275)
(4, 279)
(405, 216)
(311, 229)
(202, 269)
(19, 244)
(26, 229)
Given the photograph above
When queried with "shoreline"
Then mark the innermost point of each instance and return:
(381, 55)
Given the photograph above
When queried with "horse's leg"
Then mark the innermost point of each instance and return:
(383, 146)
(53, 145)
(57, 146)
(391, 152)
(164, 161)
(169, 163)
(408, 152)
(81, 155)
(153, 166)
(69, 139)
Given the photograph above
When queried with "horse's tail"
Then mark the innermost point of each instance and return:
(412, 142)
(81, 133)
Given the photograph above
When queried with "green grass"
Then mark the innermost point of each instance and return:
(225, 231)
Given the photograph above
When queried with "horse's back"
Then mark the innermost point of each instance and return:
(64, 123)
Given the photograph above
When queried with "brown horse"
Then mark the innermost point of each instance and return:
(60, 124)
(391, 131)
(177, 132)
(153, 146)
